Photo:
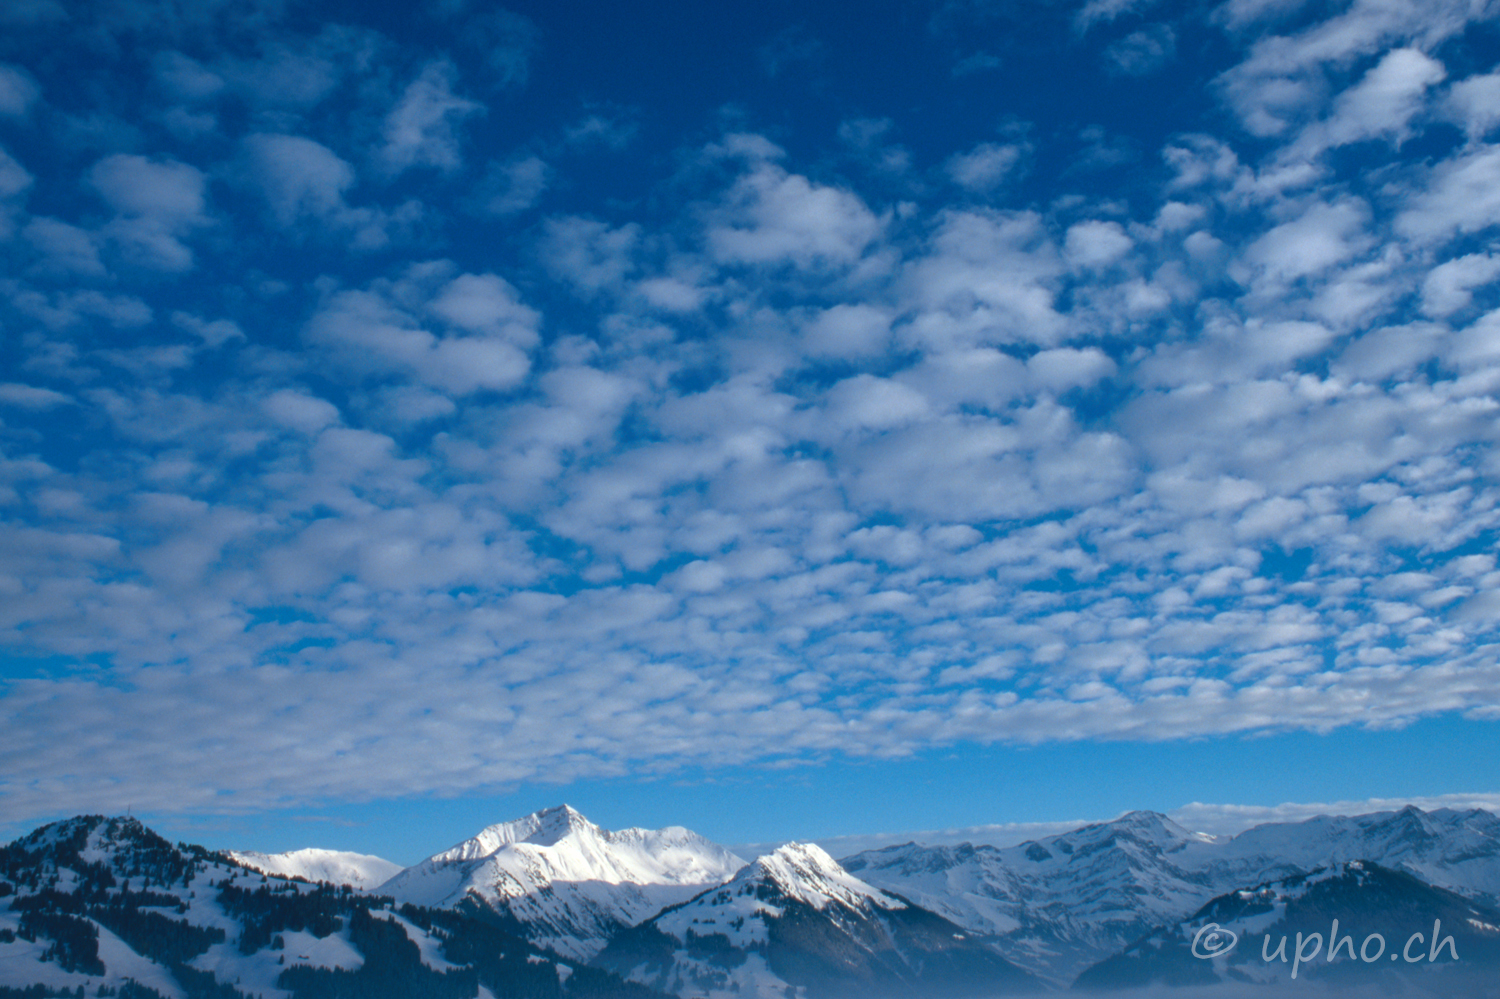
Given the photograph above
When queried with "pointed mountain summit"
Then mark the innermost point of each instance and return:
(796, 923)
(564, 883)
(804, 872)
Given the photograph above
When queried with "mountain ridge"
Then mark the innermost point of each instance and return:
(1061, 903)
(105, 906)
(671, 910)
(1363, 907)
(358, 870)
(796, 923)
(563, 881)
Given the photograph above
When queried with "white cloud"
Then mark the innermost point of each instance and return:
(1238, 14)
(507, 40)
(1384, 103)
(304, 413)
(612, 130)
(1388, 351)
(489, 305)
(1096, 244)
(1142, 52)
(1229, 820)
(1064, 368)
(1449, 286)
(289, 74)
(64, 247)
(1462, 196)
(185, 78)
(214, 333)
(1281, 84)
(1200, 159)
(1475, 102)
(31, 396)
(304, 182)
(67, 309)
(1478, 344)
(998, 835)
(847, 331)
(988, 280)
(984, 167)
(372, 334)
(18, 91)
(413, 404)
(791, 47)
(1105, 11)
(981, 376)
(588, 253)
(158, 203)
(298, 177)
(979, 62)
(13, 177)
(1323, 235)
(772, 217)
(865, 402)
(672, 293)
(1386, 100)
(419, 131)
(514, 186)
(869, 139)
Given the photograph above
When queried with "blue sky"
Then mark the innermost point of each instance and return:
(767, 419)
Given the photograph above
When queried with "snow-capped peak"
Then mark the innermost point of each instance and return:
(1147, 827)
(803, 871)
(340, 867)
(563, 845)
(547, 827)
(573, 883)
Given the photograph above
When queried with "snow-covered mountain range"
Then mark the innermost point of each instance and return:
(562, 881)
(358, 870)
(98, 906)
(796, 923)
(1341, 926)
(98, 901)
(1062, 903)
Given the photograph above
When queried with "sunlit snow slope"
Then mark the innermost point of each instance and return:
(563, 881)
(358, 870)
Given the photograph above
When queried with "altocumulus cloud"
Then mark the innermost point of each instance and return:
(350, 445)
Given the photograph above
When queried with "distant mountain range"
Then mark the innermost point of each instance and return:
(1059, 904)
(1341, 927)
(552, 905)
(796, 923)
